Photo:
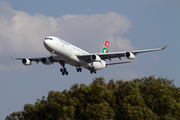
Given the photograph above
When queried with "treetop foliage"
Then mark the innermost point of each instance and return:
(145, 98)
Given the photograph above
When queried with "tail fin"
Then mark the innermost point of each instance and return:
(105, 47)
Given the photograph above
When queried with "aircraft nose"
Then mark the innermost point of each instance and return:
(45, 43)
(48, 44)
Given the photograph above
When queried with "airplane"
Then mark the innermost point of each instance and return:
(66, 53)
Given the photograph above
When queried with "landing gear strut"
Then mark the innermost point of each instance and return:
(63, 70)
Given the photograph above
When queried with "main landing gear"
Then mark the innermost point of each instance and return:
(92, 70)
(63, 70)
(79, 69)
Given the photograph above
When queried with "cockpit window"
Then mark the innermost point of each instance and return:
(48, 39)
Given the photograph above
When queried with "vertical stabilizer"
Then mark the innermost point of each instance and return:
(105, 47)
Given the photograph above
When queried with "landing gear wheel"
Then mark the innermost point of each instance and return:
(79, 69)
(64, 71)
(92, 70)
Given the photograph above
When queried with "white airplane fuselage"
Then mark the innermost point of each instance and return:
(67, 52)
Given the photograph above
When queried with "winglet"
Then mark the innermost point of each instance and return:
(11, 56)
(164, 47)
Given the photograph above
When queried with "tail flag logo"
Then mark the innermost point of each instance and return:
(105, 47)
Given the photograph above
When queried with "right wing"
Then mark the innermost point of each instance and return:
(123, 54)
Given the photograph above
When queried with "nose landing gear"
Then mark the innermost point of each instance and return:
(63, 70)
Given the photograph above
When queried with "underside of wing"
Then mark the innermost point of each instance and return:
(112, 55)
(117, 63)
(86, 57)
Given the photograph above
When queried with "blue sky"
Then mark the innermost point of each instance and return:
(128, 25)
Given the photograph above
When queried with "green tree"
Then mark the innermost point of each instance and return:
(145, 98)
(129, 102)
(93, 101)
(161, 96)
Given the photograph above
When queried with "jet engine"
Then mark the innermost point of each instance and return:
(26, 61)
(130, 55)
(95, 58)
(46, 61)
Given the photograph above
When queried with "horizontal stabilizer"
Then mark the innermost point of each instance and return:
(117, 63)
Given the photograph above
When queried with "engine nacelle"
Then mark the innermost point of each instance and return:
(95, 58)
(26, 61)
(46, 61)
(130, 55)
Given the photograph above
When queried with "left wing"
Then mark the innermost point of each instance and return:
(44, 60)
(129, 55)
(35, 59)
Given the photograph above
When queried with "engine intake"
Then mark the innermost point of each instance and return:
(46, 61)
(130, 55)
(26, 61)
(95, 58)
